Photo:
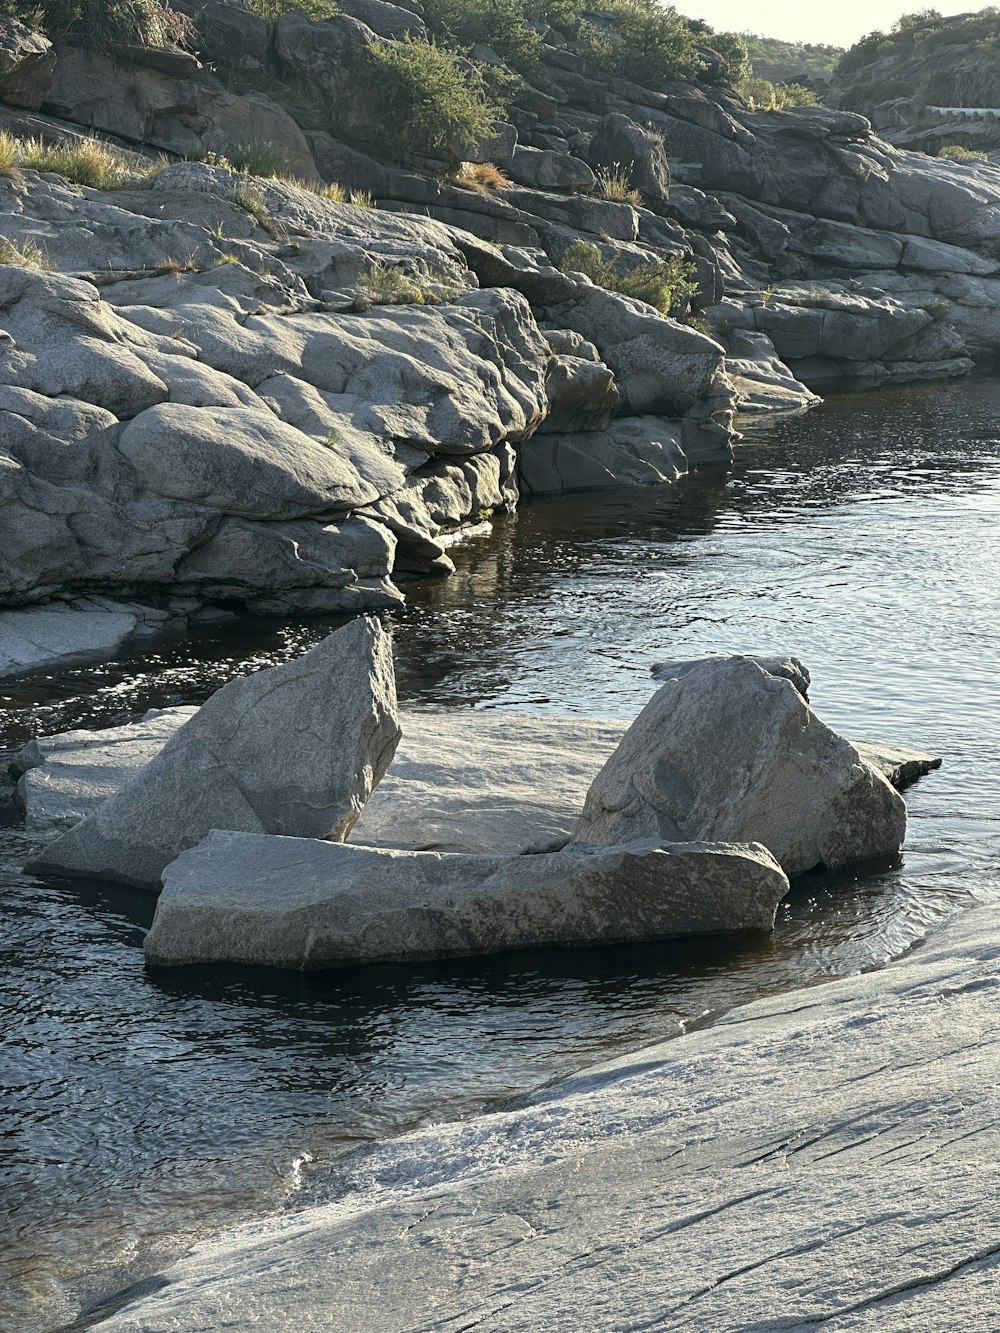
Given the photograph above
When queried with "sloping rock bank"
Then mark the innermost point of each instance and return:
(234, 391)
(208, 403)
(824, 1159)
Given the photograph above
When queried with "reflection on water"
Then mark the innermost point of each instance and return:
(141, 1108)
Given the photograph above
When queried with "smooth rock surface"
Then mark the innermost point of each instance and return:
(484, 781)
(64, 778)
(899, 764)
(726, 752)
(632, 451)
(293, 902)
(87, 626)
(295, 749)
(826, 1158)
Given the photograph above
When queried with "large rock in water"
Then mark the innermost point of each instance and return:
(295, 749)
(726, 752)
(287, 902)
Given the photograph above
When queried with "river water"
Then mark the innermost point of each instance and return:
(141, 1109)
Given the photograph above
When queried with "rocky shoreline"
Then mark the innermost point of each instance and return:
(279, 403)
(823, 1158)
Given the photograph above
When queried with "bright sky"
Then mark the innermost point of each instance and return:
(839, 23)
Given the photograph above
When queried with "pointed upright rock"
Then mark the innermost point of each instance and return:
(295, 750)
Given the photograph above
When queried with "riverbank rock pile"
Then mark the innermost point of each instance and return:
(222, 392)
(477, 843)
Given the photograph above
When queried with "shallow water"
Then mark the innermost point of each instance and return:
(141, 1109)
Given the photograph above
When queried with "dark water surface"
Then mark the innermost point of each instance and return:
(140, 1109)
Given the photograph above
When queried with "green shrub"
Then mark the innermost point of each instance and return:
(616, 184)
(665, 286)
(272, 10)
(99, 24)
(256, 159)
(763, 95)
(643, 41)
(427, 101)
(954, 152)
(733, 49)
(503, 25)
(383, 285)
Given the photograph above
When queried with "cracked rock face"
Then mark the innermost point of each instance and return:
(296, 749)
(727, 752)
(292, 903)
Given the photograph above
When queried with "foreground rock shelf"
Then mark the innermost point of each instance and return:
(824, 1159)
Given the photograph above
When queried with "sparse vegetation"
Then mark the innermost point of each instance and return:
(616, 184)
(272, 10)
(80, 161)
(667, 286)
(384, 285)
(166, 266)
(785, 62)
(431, 100)
(763, 95)
(954, 152)
(27, 254)
(938, 61)
(256, 159)
(938, 307)
(338, 195)
(101, 24)
(483, 177)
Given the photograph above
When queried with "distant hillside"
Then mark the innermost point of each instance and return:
(930, 82)
(791, 62)
(947, 62)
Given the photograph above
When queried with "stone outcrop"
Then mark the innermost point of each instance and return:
(724, 751)
(825, 1158)
(288, 902)
(250, 423)
(82, 628)
(216, 310)
(460, 781)
(295, 749)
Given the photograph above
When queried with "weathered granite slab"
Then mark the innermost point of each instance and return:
(64, 778)
(300, 903)
(824, 1159)
(295, 749)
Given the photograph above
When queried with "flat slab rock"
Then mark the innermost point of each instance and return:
(64, 778)
(300, 903)
(34, 636)
(825, 1158)
(460, 781)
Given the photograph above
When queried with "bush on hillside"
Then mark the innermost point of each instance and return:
(666, 286)
(503, 25)
(272, 10)
(430, 100)
(643, 41)
(763, 95)
(99, 24)
(734, 51)
(954, 152)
